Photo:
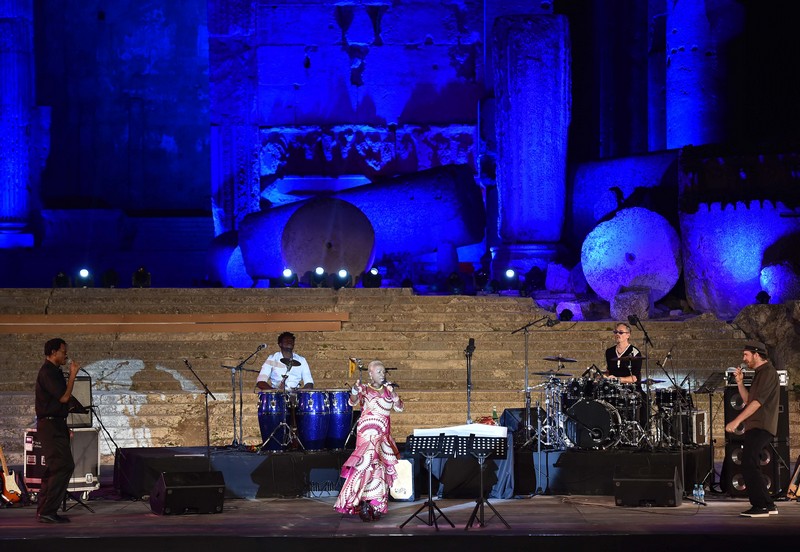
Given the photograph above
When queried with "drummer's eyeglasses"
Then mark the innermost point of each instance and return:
(619, 332)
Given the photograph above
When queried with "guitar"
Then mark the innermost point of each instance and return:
(791, 494)
(11, 492)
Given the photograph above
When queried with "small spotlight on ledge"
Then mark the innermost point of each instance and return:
(84, 278)
(510, 279)
(62, 280)
(110, 278)
(342, 279)
(140, 278)
(289, 278)
(371, 278)
(319, 278)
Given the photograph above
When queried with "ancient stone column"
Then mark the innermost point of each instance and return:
(532, 90)
(16, 100)
(699, 38)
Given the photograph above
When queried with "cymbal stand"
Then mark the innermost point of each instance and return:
(290, 430)
(238, 369)
(527, 411)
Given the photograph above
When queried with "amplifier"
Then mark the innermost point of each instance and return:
(730, 377)
(85, 452)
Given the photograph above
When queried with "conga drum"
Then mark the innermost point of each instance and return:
(341, 418)
(271, 412)
(313, 418)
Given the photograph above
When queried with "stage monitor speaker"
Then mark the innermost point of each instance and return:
(734, 404)
(82, 392)
(774, 460)
(648, 486)
(188, 493)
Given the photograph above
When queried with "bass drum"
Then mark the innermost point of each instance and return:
(593, 425)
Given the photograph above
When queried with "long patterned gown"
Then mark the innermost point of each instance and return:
(370, 470)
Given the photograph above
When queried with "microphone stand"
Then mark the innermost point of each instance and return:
(237, 436)
(527, 414)
(206, 394)
(647, 341)
(468, 354)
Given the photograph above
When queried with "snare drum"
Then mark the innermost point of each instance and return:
(271, 412)
(313, 418)
(341, 418)
(672, 397)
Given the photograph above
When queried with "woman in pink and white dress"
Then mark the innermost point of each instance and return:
(370, 470)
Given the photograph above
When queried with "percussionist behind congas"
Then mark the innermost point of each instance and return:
(285, 370)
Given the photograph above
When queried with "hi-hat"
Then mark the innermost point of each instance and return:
(553, 373)
(559, 358)
(630, 357)
(651, 381)
(290, 362)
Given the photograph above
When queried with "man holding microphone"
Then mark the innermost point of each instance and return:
(760, 418)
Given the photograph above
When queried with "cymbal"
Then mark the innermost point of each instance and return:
(651, 381)
(553, 373)
(632, 357)
(290, 362)
(559, 358)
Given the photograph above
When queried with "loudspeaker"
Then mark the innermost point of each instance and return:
(734, 404)
(82, 392)
(648, 486)
(188, 493)
(775, 474)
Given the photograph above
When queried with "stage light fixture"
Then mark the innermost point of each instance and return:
(481, 279)
(342, 279)
(140, 278)
(455, 284)
(84, 279)
(762, 298)
(371, 278)
(289, 278)
(110, 278)
(510, 279)
(62, 280)
(319, 278)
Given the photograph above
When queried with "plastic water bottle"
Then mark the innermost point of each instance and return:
(702, 494)
(494, 414)
(696, 492)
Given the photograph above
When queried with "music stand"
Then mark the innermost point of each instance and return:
(714, 382)
(481, 448)
(430, 447)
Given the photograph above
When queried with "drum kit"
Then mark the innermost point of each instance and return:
(591, 412)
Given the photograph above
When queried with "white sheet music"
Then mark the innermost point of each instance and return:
(479, 430)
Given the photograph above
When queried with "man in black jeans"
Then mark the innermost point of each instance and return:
(53, 396)
(760, 418)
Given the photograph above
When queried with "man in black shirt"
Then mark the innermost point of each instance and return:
(760, 419)
(53, 395)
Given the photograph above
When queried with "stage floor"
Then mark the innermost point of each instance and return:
(547, 522)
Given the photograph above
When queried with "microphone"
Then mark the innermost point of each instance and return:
(633, 320)
(393, 384)
(470, 346)
(261, 347)
(552, 322)
(666, 358)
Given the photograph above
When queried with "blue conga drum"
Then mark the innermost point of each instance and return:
(313, 418)
(271, 412)
(341, 418)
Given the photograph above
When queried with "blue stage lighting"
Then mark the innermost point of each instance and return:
(510, 279)
(371, 278)
(319, 278)
(84, 278)
(342, 279)
(289, 278)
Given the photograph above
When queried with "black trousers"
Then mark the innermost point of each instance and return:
(754, 442)
(53, 434)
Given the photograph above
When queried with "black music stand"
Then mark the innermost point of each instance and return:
(430, 447)
(714, 382)
(482, 448)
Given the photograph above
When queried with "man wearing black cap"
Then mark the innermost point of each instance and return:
(760, 419)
